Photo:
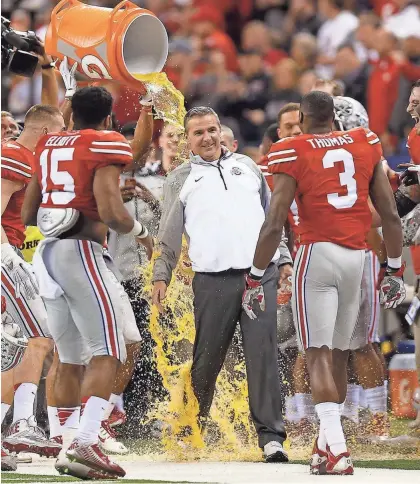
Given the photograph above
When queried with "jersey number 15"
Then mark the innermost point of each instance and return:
(57, 186)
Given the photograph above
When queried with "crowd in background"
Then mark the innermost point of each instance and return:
(248, 58)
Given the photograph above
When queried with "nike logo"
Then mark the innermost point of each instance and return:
(198, 179)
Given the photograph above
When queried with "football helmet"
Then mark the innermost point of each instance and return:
(350, 113)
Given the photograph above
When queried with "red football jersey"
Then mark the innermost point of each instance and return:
(413, 145)
(66, 163)
(333, 173)
(16, 165)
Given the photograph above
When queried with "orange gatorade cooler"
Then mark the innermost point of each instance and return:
(403, 382)
(108, 43)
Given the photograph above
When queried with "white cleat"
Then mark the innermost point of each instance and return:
(108, 441)
(274, 452)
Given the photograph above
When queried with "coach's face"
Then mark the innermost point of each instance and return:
(414, 104)
(9, 128)
(204, 134)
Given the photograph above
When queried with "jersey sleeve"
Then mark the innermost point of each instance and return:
(14, 166)
(373, 139)
(283, 158)
(109, 148)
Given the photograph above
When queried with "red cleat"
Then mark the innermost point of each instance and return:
(339, 464)
(317, 465)
(117, 417)
(52, 447)
(91, 455)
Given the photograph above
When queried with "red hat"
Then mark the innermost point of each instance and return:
(208, 14)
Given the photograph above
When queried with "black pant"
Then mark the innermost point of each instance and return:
(217, 310)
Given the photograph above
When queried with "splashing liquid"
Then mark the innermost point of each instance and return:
(236, 437)
(174, 338)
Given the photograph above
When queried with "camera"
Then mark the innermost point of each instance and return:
(17, 48)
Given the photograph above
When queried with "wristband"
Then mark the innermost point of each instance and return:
(139, 230)
(256, 273)
(394, 263)
(51, 65)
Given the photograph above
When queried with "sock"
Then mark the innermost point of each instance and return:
(118, 401)
(330, 424)
(322, 440)
(291, 413)
(23, 402)
(54, 422)
(90, 421)
(69, 423)
(108, 410)
(376, 399)
(351, 404)
(4, 409)
(362, 397)
(305, 406)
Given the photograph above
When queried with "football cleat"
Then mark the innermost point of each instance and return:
(108, 441)
(91, 455)
(64, 466)
(274, 452)
(52, 447)
(8, 462)
(318, 462)
(117, 417)
(339, 464)
(25, 436)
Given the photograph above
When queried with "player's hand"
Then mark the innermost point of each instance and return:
(285, 271)
(159, 294)
(69, 77)
(127, 193)
(410, 175)
(392, 291)
(254, 291)
(146, 100)
(148, 244)
(23, 277)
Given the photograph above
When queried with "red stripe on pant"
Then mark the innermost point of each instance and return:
(32, 330)
(101, 293)
(301, 297)
(373, 289)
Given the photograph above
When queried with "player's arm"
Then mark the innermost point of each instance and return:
(8, 188)
(272, 230)
(31, 202)
(142, 135)
(383, 200)
(107, 194)
(49, 90)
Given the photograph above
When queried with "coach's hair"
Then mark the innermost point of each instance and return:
(41, 112)
(200, 111)
(91, 105)
(337, 87)
(287, 108)
(416, 84)
(271, 131)
(319, 106)
(6, 114)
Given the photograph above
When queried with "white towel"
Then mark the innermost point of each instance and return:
(48, 288)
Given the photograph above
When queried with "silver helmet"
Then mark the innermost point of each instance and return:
(350, 113)
(13, 342)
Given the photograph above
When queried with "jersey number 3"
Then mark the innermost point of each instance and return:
(53, 179)
(346, 178)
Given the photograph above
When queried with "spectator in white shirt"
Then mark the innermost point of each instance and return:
(339, 24)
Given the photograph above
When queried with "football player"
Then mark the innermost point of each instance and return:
(75, 197)
(331, 174)
(19, 286)
(365, 360)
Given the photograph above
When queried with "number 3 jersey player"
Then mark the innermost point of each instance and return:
(75, 197)
(331, 175)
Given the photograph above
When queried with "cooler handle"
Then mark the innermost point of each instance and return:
(125, 4)
(58, 9)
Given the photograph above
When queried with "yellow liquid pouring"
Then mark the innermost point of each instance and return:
(182, 436)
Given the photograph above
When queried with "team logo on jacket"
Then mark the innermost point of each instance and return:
(236, 171)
